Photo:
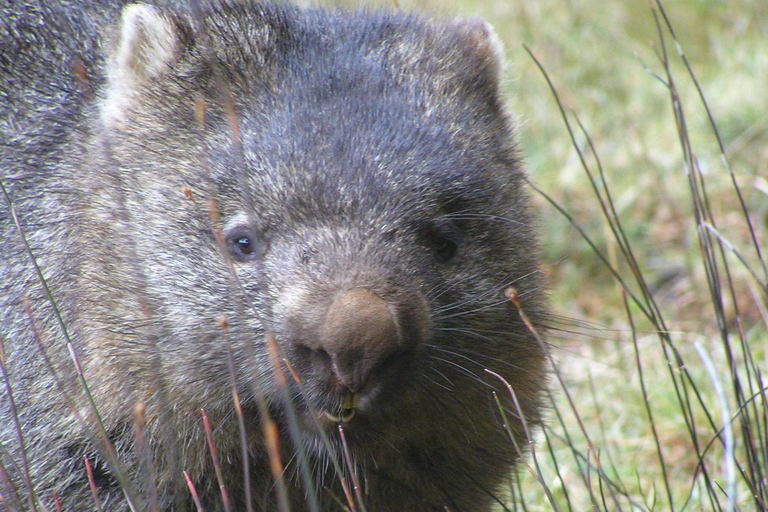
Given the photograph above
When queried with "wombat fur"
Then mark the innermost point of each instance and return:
(331, 194)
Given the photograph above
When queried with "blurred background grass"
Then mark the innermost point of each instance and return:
(601, 57)
(596, 54)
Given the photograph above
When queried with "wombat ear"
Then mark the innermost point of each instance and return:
(482, 43)
(480, 59)
(147, 44)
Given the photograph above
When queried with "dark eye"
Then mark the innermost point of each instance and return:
(443, 241)
(444, 248)
(242, 245)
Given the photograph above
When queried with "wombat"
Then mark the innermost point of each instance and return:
(305, 222)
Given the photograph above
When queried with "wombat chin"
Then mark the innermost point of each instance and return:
(302, 221)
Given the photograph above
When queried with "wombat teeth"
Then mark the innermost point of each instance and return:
(346, 411)
(350, 401)
(358, 200)
(345, 416)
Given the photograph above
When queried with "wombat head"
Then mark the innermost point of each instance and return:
(365, 189)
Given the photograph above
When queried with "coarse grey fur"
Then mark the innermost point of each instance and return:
(357, 170)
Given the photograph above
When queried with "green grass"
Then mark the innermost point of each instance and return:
(646, 430)
(601, 62)
(604, 59)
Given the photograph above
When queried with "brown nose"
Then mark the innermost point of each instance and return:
(358, 334)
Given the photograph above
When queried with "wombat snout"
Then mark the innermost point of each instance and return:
(359, 335)
(362, 169)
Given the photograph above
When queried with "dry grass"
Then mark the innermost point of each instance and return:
(653, 197)
(651, 388)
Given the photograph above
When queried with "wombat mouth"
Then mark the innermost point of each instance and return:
(325, 402)
(346, 409)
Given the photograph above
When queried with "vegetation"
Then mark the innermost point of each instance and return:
(650, 161)
(645, 126)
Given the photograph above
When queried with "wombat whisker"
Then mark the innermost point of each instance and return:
(433, 381)
(479, 309)
(490, 334)
(467, 301)
(451, 284)
(434, 294)
(286, 171)
(449, 386)
(462, 369)
(470, 358)
(481, 216)
(562, 327)
(469, 332)
(504, 284)
(291, 469)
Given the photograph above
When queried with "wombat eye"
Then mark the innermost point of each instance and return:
(444, 248)
(442, 242)
(242, 245)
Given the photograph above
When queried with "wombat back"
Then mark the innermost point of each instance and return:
(318, 212)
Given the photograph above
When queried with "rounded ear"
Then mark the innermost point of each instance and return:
(482, 44)
(460, 58)
(148, 43)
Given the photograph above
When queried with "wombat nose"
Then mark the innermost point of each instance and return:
(359, 333)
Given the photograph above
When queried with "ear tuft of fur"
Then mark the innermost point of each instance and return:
(148, 44)
(483, 44)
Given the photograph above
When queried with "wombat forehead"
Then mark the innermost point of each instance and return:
(338, 171)
(303, 176)
(351, 123)
(387, 197)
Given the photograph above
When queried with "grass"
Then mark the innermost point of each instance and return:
(653, 254)
(668, 423)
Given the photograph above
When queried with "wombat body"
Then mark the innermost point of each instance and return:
(223, 197)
